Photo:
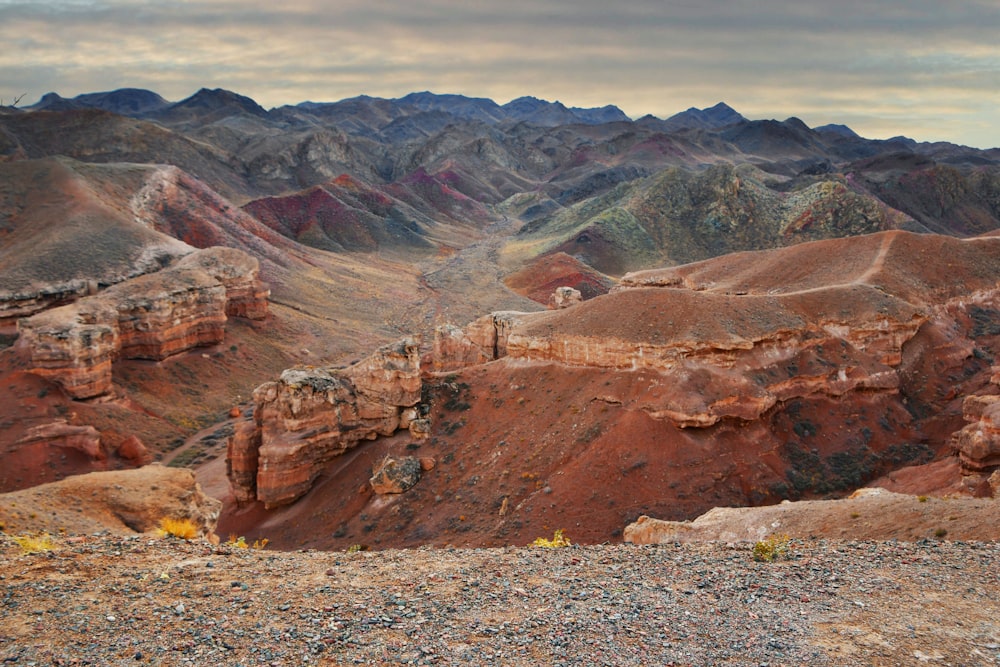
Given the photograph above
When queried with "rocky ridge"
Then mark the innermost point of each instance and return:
(868, 514)
(119, 502)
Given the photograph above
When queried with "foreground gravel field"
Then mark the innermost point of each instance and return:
(129, 601)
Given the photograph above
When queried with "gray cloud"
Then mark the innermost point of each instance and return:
(927, 69)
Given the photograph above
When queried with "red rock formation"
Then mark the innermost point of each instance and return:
(74, 345)
(84, 439)
(246, 295)
(737, 335)
(309, 416)
(800, 372)
(152, 316)
(978, 444)
(168, 312)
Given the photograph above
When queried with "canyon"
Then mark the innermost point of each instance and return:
(782, 387)
(551, 317)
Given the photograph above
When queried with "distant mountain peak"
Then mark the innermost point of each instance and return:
(710, 118)
(218, 98)
(838, 129)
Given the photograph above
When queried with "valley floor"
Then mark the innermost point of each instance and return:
(141, 600)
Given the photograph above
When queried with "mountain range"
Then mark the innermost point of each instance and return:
(742, 287)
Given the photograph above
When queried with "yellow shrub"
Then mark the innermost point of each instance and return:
(771, 549)
(182, 528)
(241, 542)
(34, 544)
(558, 540)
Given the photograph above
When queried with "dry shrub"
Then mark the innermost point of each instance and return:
(182, 528)
(558, 540)
(34, 544)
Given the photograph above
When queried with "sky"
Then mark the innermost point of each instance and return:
(926, 69)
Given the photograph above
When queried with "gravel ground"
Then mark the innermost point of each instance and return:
(104, 600)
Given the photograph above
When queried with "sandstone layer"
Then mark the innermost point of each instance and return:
(65, 238)
(733, 337)
(310, 416)
(152, 316)
(978, 443)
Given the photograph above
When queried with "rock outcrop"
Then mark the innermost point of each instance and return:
(564, 297)
(85, 439)
(978, 444)
(736, 336)
(309, 416)
(120, 501)
(870, 513)
(152, 316)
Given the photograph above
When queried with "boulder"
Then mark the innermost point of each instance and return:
(396, 476)
(564, 297)
(132, 449)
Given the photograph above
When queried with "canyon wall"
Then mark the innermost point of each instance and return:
(152, 316)
(309, 416)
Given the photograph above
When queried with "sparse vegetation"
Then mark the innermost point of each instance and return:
(775, 547)
(241, 542)
(558, 540)
(34, 544)
(185, 529)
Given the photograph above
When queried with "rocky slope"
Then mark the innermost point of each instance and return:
(868, 514)
(121, 502)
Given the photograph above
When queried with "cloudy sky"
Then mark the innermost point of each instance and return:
(924, 68)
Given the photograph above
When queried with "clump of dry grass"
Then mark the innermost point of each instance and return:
(241, 542)
(34, 544)
(182, 528)
(771, 549)
(558, 540)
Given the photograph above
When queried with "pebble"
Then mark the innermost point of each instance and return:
(601, 605)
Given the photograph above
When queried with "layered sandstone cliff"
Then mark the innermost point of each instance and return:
(309, 416)
(152, 316)
(735, 336)
(978, 444)
(719, 356)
